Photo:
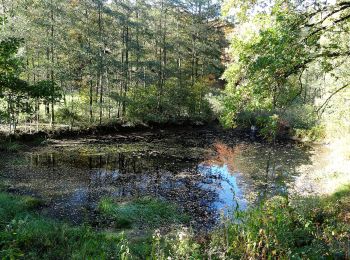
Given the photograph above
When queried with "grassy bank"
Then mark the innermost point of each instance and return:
(302, 228)
(24, 234)
(143, 212)
(308, 228)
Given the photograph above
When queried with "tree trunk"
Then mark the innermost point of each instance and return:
(52, 71)
(100, 67)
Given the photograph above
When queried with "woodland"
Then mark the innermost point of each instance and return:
(182, 80)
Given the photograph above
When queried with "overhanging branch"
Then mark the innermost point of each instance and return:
(323, 106)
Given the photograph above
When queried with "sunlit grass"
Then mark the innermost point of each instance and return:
(24, 234)
(146, 212)
(309, 228)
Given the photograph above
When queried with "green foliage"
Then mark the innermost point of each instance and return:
(10, 146)
(65, 114)
(25, 235)
(47, 90)
(264, 60)
(178, 244)
(148, 212)
(10, 66)
(279, 228)
(284, 61)
(302, 228)
(301, 116)
(176, 103)
(315, 133)
(269, 126)
(135, 61)
(9, 63)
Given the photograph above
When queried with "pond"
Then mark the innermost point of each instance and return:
(206, 172)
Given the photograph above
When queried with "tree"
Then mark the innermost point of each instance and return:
(99, 57)
(274, 53)
(12, 88)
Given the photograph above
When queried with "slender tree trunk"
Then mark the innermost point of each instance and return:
(125, 66)
(160, 60)
(137, 51)
(91, 94)
(108, 94)
(91, 100)
(100, 67)
(52, 122)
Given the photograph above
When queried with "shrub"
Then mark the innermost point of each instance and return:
(307, 228)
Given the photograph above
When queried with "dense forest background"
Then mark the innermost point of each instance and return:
(277, 65)
(94, 61)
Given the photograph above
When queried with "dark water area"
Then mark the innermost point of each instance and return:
(206, 173)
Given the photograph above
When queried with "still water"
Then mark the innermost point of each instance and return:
(206, 173)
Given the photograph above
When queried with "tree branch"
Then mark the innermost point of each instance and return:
(322, 107)
(326, 27)
(343, 6)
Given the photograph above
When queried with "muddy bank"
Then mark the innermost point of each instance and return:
(107, 129)
(127, 129)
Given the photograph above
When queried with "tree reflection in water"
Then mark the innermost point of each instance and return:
(204, 185)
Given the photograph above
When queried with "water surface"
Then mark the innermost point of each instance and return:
(206, 173)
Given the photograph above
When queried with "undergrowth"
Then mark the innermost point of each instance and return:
(146, 212)
(280, 228)
(25, 235)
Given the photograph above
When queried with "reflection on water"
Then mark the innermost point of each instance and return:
(224, 183)
(230, 174)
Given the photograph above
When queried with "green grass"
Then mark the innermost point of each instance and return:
(307, 228)
(140, 218)
(280, 228)
(26, 235)
(143, 212)
(302, 228)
